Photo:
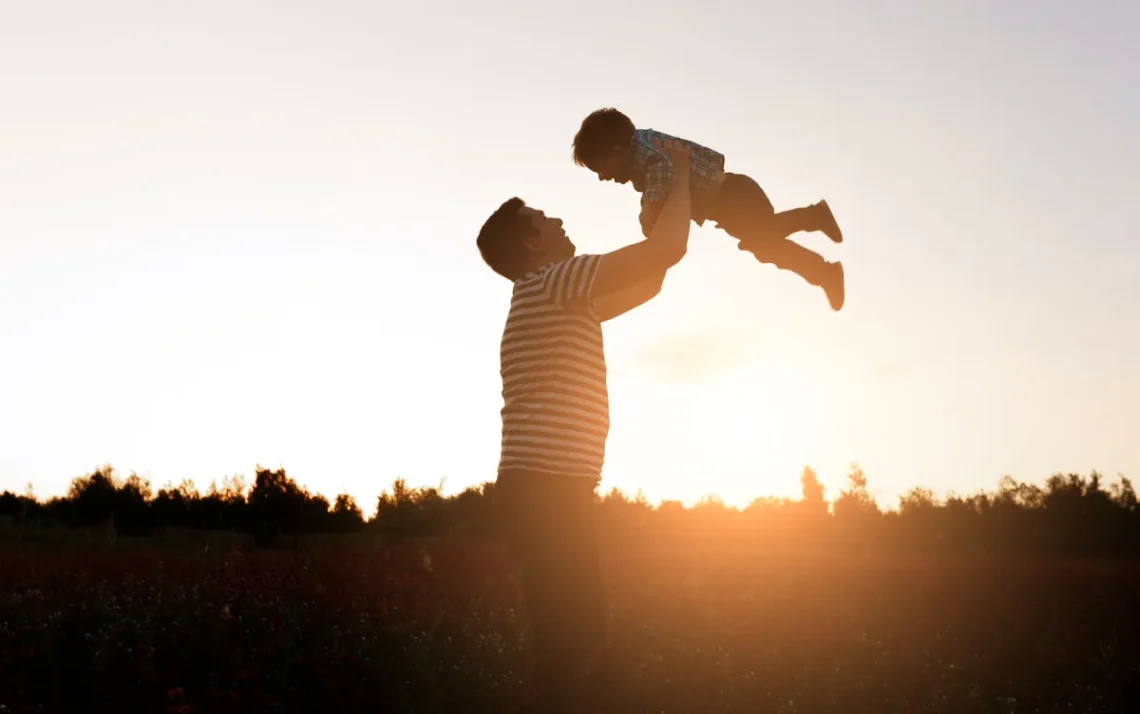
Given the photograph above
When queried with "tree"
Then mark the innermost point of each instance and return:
(810, 487)
(346, 515)
(855, 500)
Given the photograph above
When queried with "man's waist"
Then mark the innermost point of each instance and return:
(541, 478)
(549, 473)
(534, 492)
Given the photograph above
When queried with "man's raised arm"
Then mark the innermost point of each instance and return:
(645, 263)
(607, 307)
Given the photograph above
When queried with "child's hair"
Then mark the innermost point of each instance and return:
(500, 239)
(599, 133)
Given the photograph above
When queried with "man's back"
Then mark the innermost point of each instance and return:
(555, 401)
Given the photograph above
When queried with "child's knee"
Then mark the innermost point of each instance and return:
(763, 249)
(747, 228)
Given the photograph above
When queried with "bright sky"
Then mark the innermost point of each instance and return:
(237, 232)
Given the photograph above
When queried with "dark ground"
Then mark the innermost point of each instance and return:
(354, 627)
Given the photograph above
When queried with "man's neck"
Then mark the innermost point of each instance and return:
(538, 264)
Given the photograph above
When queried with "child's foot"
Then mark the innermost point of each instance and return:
(833, 285)
(827, 223)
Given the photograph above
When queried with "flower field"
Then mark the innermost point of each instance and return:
(356, 627)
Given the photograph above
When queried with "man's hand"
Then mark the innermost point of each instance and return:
(681, 167)
(644, 264)
(679, 154)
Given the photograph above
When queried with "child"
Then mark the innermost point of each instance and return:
(611, 146)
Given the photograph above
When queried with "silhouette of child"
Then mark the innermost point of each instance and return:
(611, 146)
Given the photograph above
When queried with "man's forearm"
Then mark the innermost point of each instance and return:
(650, 211)
(672, 225)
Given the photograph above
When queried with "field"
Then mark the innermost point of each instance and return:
(355, 627)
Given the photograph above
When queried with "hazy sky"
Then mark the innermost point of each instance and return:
(238, 232)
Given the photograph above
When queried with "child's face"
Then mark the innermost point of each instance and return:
(614, 166)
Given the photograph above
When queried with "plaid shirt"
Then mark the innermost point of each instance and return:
(653, 175)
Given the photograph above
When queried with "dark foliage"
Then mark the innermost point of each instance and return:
(1069, 515)
(1015, 601)
(433, 626)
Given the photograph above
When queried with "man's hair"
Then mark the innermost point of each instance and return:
(599, 133)
(501, 239)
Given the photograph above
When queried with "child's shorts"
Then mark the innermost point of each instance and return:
(739, 204)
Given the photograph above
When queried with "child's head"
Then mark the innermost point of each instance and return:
(602, 145)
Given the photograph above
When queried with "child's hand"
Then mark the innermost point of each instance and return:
(678, 153)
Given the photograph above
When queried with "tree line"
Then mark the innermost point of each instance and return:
(1070, 514)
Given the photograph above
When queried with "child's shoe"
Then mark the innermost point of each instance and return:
(827, 223)
(833, 285)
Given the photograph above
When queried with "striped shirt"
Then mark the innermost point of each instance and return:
(556, 413)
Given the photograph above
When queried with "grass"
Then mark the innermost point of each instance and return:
(695, 628)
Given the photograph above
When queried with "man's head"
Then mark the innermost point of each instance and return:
(518, 239)
(602, 145)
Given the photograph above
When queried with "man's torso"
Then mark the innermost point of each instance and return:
(555, 399)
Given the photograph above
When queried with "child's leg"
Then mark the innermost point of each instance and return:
(742, 206)
(742, 209)
(809, 265)
(816, 217)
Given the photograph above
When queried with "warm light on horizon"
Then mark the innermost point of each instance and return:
(833, 486)
(233, 235)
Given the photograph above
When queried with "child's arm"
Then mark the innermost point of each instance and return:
(659, 179)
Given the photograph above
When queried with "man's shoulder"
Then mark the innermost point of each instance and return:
(564, 285)
(558, 266)
(572, 269)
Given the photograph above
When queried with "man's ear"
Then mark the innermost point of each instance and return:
(532, 244)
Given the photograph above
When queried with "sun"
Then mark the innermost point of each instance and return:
(737, 435)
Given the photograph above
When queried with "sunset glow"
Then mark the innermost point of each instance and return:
(233, 236)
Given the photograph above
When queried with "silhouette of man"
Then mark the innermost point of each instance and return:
(555, 420)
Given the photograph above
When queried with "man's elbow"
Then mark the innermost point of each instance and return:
(652, 283)
(673, 254)
(654, 288)
(657, 261)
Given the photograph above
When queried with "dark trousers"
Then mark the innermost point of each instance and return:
(742, 209)
(547, 523)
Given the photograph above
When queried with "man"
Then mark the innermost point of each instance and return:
(556, 419)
